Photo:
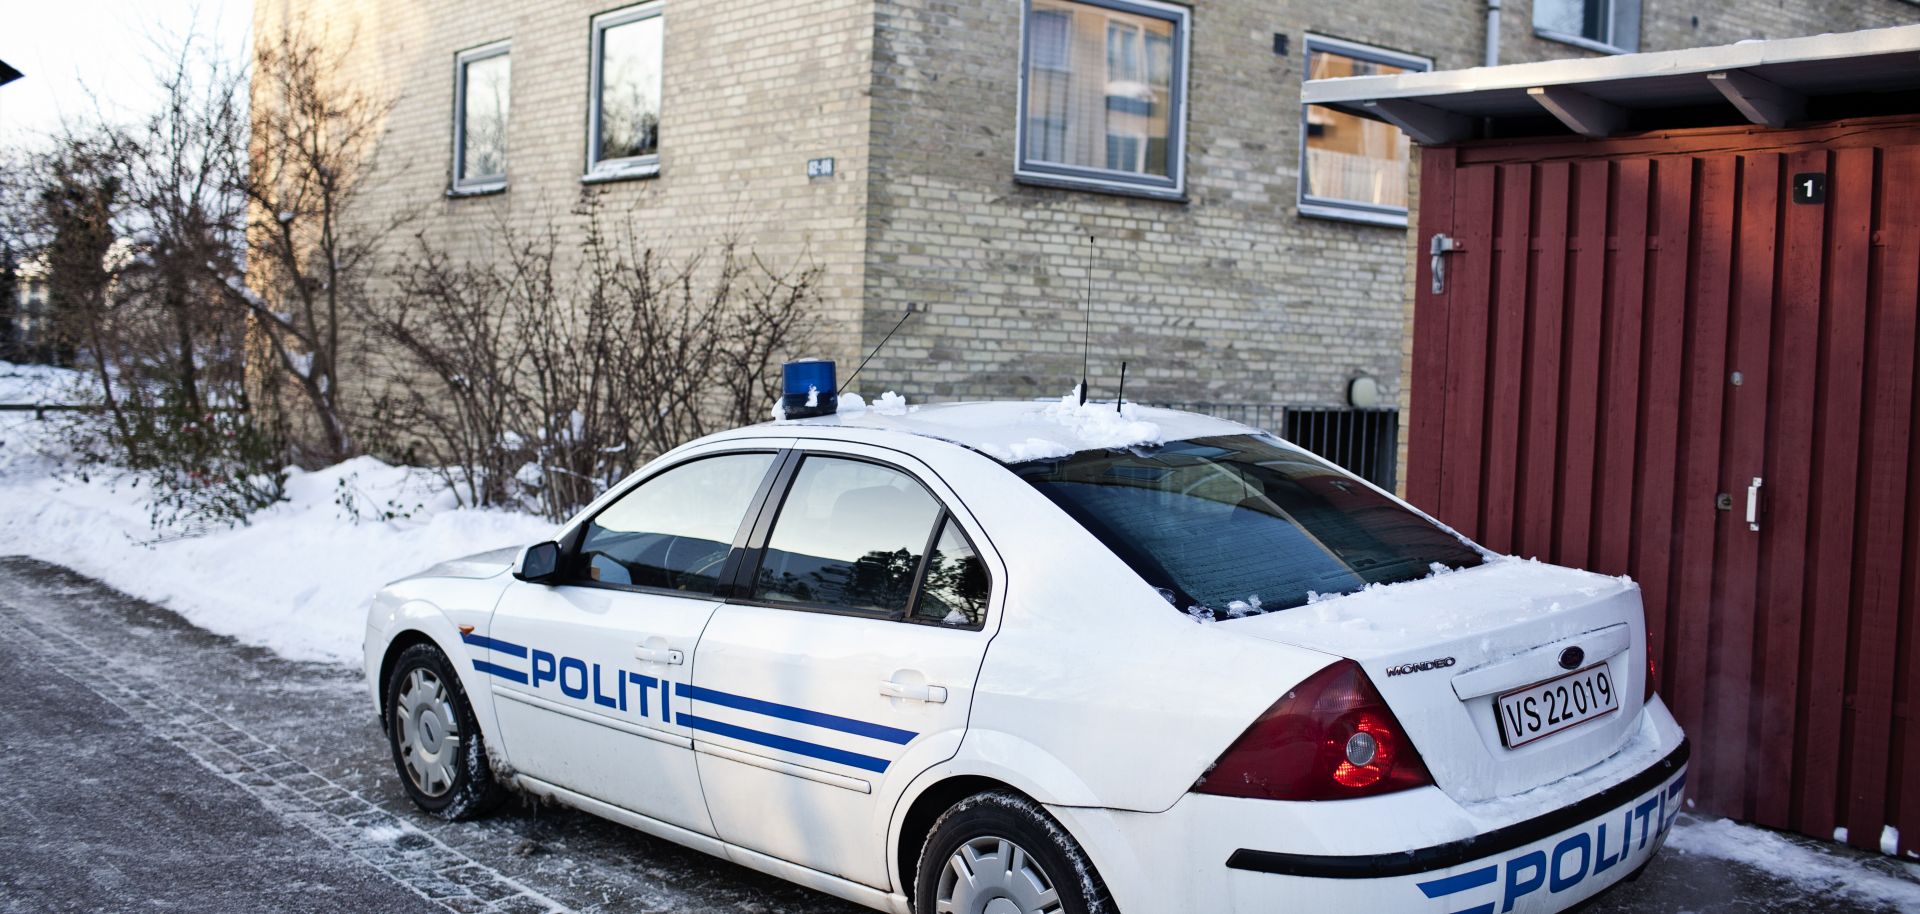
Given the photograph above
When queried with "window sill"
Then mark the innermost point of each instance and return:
(1116, 189)
(1580, 42)
(622, 173)
(477, 190)
(1338, 213)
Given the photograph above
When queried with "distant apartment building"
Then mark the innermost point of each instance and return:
(29, 336)
(975, 156)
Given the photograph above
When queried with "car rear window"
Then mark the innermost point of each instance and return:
(850, 535)
(1239, 524)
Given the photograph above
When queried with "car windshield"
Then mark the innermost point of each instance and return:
(1239, 524)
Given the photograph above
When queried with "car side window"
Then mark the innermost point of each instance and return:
(850, 535)
(674, 531)
(954, 592)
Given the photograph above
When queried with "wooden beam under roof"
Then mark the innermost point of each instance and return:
(1582, 113)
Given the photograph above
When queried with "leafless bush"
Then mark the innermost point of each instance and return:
(549, 383)
(309, 160)
(139, 231)
(226, 223)
(454, 367)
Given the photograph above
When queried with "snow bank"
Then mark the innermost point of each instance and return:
(42, 384)
(295, 580)
(1082, 427)
(1821, 872)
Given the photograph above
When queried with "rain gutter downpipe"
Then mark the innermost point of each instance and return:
(1493, 33)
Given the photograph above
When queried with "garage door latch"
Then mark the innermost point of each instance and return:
(1439, 246)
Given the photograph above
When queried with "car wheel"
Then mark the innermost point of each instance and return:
(1000, 853)
(436, 739)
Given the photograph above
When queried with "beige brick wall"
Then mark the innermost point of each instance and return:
(748, 98)
(1229, 296)
(1668, 25)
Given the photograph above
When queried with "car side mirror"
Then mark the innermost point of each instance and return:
(540, 564)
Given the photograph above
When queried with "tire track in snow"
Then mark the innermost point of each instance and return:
(287, 788)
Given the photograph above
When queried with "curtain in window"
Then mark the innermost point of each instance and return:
(1099, 88)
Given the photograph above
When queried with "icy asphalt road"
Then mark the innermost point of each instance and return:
(147, 765)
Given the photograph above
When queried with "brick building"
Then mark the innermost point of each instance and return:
(975, 147)
(28, 336)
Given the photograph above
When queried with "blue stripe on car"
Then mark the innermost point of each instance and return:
(505, 647)
(1460, 883)
(719, 698)
(797, 715)
(785, 743)
(1472, 879)
(500, 671)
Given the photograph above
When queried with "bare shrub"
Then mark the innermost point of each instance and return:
(309, 161)
(141, 236)
(547, 384)
(454, 369)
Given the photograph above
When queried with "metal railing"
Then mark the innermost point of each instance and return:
(40, 410)
(1365, 442)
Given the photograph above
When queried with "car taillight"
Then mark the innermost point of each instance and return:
(1331, 738)
(1653, 670)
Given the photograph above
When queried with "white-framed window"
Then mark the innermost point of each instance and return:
(623, 110)
(1103, 87)
(1612, 26)
(482, 83)
(1352, 168)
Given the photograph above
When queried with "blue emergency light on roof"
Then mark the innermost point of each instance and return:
(807, 388)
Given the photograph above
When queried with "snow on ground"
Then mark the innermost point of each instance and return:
(295, 579)
(26, 384)
(1805, 864)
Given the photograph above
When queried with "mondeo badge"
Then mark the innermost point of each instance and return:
(1571, 658)
(1421, 667)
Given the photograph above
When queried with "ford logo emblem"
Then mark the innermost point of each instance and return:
(1571, 658)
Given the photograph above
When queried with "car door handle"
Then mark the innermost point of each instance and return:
(665, 655)
(928, 693)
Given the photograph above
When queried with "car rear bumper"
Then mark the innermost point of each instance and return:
(1548, 863)
(1411, 851)
(1653, 794)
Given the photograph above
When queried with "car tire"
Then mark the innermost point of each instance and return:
(1013, 851)
(435, 738)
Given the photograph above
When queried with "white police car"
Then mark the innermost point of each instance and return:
(1018, 657)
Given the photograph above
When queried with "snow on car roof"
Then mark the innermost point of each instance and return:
(1015, 430)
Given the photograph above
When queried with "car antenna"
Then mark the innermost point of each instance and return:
(1086, 325)
(911, 308)
(1121, 398)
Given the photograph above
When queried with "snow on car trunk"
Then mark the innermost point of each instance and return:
(1445, 649)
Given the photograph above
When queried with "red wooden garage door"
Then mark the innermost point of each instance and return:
(1633, 336)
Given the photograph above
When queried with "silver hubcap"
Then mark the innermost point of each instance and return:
(429, 732)
(991, 875)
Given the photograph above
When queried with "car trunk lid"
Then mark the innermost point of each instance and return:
(1442, 649)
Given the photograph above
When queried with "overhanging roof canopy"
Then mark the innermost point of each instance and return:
(1773, 83)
